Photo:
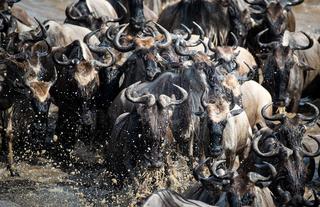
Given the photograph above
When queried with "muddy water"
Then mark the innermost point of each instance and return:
(308, 16)
(43, 183)
(46, 9)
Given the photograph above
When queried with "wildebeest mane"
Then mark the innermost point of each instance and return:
(208, 14)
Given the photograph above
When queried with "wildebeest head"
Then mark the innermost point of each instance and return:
(218, 108)
(282, 66)
(18, 41)
(155, 113)
(78, 80)
(223, 180)
(35, 83)
(283, 147)
(273, 13)
(146, 56)
(79, 13)
(225, 58)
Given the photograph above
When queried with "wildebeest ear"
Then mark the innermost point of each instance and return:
(319, 39)
(236, 112)
(121, 118)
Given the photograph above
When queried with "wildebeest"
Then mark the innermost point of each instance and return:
(25, 99)
(143, 131)
(145, 63)
(276, 15)
(212, 16)
(91, 14)
(236, 60)
(237, 190)
(227, 129)
(283, 72)
(282, 146)
(74, 93)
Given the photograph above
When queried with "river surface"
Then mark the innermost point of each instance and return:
(42, 183)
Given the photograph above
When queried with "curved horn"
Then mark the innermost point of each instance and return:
(315, 154)
(37, 37)
(228, 174)
(5, 22)
(167, 35)
(255, 146)
(277, 117)
(147, 99)
(215, 167)
(201, 37)
(99, 64)
(166, 101)
(48, 50)
(271, 168)
(179, 51)
(70, 16)
(188, 31)
(54, 77)
(201, 32)
(212, 181)
(205, 47)
(310, 118)
(305, 47)
(256, 2)
(109, 33)
(235, 40)
(294, 2)
(94, 48)
(255, 177)
(203, 101)
(116, 41)
(196, 171)
(43, 31)
(124, 13)
(268, 45)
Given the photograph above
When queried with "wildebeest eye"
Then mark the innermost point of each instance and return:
(234, 64)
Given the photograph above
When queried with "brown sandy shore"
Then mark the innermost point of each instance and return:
(42, 183)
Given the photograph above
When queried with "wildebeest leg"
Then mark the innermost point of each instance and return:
(230, 158)
(190, 151)
(9, 137)
(2, 137)
(309, 163)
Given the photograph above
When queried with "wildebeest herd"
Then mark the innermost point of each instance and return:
(227, 84)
